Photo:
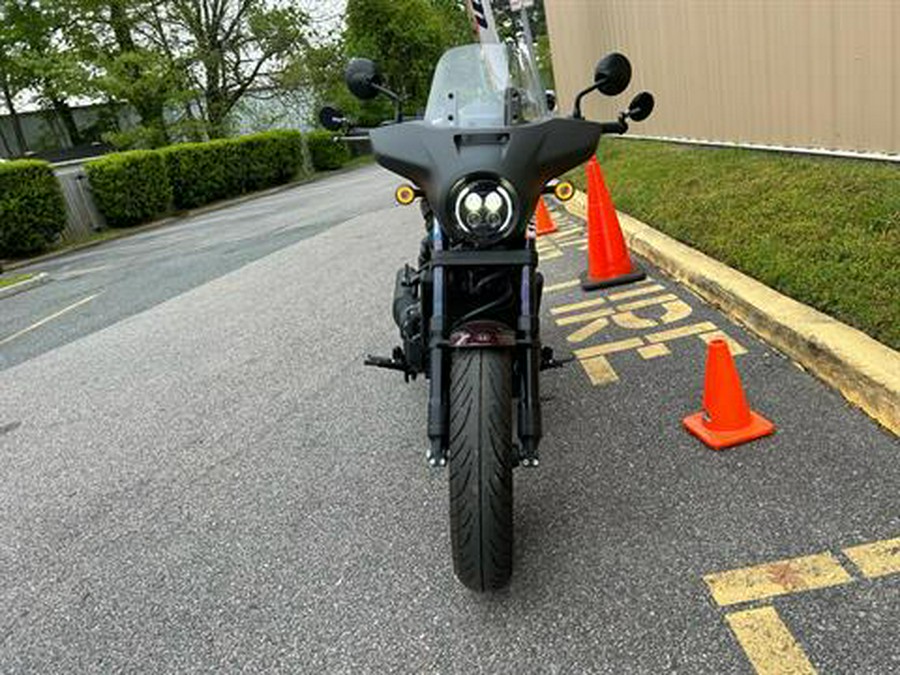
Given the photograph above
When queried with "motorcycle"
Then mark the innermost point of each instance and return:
(487, 149)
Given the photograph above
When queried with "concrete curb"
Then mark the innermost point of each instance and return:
(37, 280)
(865, 371)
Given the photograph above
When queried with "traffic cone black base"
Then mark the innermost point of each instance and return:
(589, 284)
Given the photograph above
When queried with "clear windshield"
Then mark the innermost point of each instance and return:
(485, 85)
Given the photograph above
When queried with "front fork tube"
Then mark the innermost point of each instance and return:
(438, 405)
(529, 413)
(529, 417)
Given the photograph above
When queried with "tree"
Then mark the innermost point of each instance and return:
(127, 68)
(406, 38)
(42, 58)
(228, 46)
(12, 77)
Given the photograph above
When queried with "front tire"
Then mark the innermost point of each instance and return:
(481, 463)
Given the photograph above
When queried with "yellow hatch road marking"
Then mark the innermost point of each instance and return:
(776, 578)
(768, 643)
(644, 290)
(48, 319)
(684, 331)
(599, 371)
(733, 345)
(877, 559)
(570, 242)
(646, 302)
(584, 304)
(561, 286)
(608, 348)
(586, 316)
(562, 234)
(653, 351)
(676, 311)
(765, 639)
(632, 321)
(549, 254)
(589, 330)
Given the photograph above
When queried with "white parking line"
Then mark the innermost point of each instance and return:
(47, 319)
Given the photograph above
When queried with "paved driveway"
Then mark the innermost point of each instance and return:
(211, 481)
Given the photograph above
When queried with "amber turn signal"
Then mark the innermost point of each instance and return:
(405, 194)
(563, 191)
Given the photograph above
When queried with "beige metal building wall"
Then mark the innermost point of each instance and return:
(800, 73)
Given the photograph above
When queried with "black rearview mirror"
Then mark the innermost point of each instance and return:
(612, 74)
(363, 79)
(641, 106)
(332, 118)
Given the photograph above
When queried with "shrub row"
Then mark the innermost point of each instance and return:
(32, 211)
(134, 187)
(130, 187)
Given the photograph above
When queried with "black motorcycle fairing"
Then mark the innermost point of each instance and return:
(526, 156)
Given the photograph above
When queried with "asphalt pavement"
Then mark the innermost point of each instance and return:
(198, 474)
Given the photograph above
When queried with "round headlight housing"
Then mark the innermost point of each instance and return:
(484, 210)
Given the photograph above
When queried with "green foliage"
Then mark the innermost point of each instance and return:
(130, 187)
(32, 212)
(326, 152)
(825, 231)
(137, 186)
(201, 173)
(406, 38)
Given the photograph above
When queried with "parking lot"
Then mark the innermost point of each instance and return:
(211, 480)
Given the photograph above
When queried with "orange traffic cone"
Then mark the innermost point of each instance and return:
(726, 419)
(608, 261)
(545, 224)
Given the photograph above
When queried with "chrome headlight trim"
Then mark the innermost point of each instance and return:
(485, 209)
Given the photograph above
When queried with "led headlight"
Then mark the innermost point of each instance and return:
(484, 210)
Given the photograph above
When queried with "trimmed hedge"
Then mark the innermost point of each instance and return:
(130, 187)
(201, 173)
(32, 210)
(326, 152)
(137, 186)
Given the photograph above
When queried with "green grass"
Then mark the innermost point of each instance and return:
(10, 279)
(825, 231)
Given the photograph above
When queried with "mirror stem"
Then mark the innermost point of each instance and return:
(576, 113)
(398, 111)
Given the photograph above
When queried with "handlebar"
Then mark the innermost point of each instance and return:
(620, 126)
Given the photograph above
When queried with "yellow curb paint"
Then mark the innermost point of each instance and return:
(587, 331)
(632, 321)
(599, 371)
(609, 348)
(581, 318)
(676, 311)
(653, 351)
(633, 293)
(646, 302)
(776, 578)
(733, 345)
(584, 304)
(561, 286)
(684, 331)
(768, 643)
(876, 559)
